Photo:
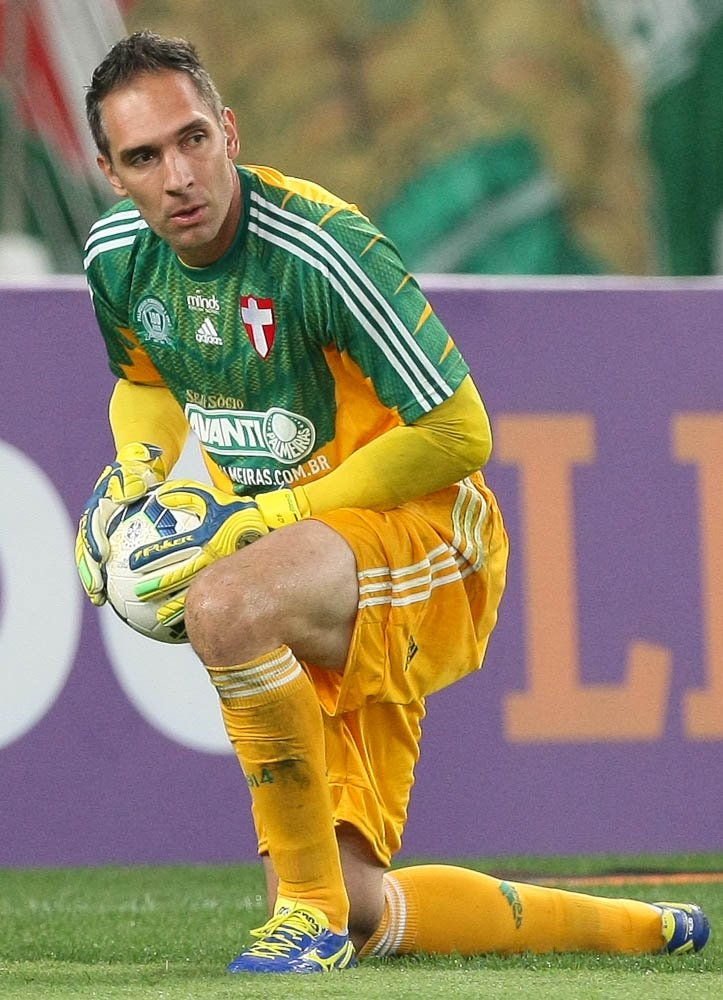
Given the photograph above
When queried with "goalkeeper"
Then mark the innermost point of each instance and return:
(351, 558)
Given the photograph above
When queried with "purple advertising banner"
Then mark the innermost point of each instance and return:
(596, 724)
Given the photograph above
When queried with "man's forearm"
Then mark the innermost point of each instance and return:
(409, 461)
(149, 414)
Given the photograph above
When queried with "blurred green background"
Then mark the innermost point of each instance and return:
(484, 136)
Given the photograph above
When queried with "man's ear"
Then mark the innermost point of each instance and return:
(230, 128)
(110, 175)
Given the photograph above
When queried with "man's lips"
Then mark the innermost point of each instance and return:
(188, 216)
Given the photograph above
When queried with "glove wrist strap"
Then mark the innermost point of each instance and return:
(278, 508)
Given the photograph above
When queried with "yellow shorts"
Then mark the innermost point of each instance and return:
(431, 576)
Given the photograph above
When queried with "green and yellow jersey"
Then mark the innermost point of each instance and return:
(304, 342)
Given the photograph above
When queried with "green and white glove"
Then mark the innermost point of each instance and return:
(227, 523)
(137, 469)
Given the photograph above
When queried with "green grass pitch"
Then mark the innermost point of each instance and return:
(167, 932)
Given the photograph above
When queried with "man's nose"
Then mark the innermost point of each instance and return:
(178, 176)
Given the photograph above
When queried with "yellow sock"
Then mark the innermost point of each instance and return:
(274, 722)
(439, 909)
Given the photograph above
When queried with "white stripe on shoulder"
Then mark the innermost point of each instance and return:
(111, 220)
(338, 261)
(123, 227)
(419, 386)
(126, 241)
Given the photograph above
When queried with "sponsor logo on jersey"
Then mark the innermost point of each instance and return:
(152, 316)
(257, 316)
(288, 437)
(252, 476)
(203, 303)
(214, 401)
(207, 333)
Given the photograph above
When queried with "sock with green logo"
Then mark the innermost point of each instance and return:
(274, 722)
(440, 909)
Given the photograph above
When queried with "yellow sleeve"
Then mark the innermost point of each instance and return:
(149, 414)
(442, 447)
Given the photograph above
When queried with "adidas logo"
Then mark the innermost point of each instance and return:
(412, 650)
(207, 333)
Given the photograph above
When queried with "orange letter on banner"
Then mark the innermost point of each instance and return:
(698, 438)
(557, 706)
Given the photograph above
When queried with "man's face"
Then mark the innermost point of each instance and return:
(170, 155)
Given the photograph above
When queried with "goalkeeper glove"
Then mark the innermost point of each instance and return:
(227, 523)
(138, 467)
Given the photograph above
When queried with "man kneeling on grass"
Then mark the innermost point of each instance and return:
(351, 557)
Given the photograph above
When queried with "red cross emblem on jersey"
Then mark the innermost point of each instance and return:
(258, 317)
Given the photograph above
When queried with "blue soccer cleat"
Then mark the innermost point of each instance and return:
(685, 927)
(296, 939)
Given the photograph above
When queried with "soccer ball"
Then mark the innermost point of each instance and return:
(146, 520)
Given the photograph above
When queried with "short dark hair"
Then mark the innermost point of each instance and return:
(144, 52)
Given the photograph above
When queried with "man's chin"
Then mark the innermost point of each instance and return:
(191, 246)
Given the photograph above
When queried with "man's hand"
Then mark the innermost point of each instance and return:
(228, 523)
(137, 469)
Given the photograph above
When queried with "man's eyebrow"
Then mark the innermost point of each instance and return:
(192, 126)
(127, 155)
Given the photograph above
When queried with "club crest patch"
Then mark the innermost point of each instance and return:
(152, 316)
(257, 315)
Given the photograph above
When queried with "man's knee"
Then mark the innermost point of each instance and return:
(218, 608)
(296, 586)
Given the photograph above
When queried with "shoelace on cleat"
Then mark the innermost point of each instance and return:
(282, 935)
